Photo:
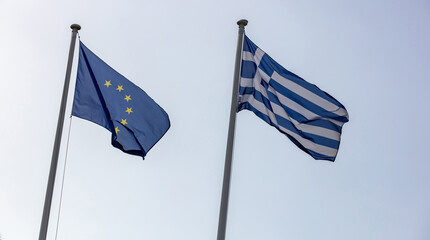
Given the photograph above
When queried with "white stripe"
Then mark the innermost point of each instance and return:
(303, 92)
(299, 108)
(328, 151)
(246, 82)
(280, 111)
(258, 56)
(320, 131)
(255, 82)
(247, 56)
(260, 106)
(264, 75)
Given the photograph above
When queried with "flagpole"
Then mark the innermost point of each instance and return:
(229, 151)
(54, 160)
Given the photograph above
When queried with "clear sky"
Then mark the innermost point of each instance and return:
(373, 56)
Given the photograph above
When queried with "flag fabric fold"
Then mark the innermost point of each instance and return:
(107, 98)
(308, 116)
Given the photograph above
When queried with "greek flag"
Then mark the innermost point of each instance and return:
(310, 117)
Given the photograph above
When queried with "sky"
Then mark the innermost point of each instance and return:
(372, 56)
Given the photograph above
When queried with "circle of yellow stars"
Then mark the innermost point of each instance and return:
(127, 98)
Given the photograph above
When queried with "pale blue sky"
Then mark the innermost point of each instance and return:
(373, 56)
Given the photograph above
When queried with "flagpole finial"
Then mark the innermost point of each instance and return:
(242, 22)
(75, 27)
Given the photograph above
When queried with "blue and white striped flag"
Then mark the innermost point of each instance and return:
(310, 117)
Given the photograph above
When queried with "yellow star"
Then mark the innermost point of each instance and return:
(123, 121)
(116, 130)
(120, 88)
(128, 98)
(107, 84)
(129, 111)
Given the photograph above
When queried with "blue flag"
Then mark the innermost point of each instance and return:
(310, 117)
(107, 98)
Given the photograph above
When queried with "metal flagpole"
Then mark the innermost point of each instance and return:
(229, 152)
(56, 151)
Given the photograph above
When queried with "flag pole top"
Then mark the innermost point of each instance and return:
(75, 27)
(242, 23)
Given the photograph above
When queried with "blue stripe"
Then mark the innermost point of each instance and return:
(248, 106)
(273, 98)
(268, 65)
(302, 119)
(290, 126)
(290, 112)
(249, 69)
(312, 137)
(264, 117)
(319, 156)
(259, 97)
(249, 46)
(246, 90)
(306, 103)
(324, 123)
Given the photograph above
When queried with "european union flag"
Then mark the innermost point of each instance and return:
(107, 98)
